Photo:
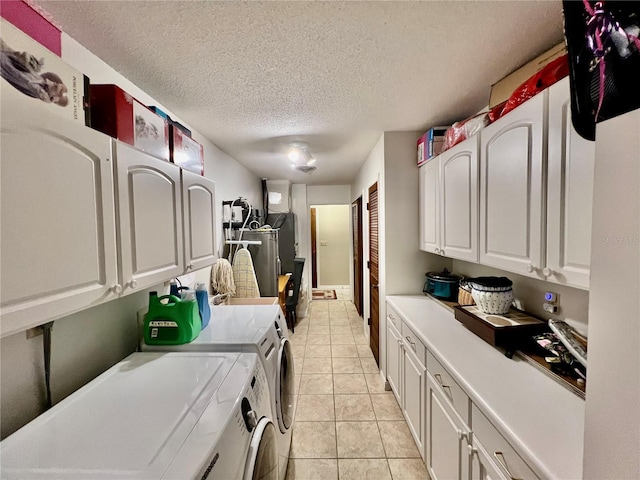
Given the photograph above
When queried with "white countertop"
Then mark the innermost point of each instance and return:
(543, 421)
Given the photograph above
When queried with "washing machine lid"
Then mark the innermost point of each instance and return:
(128, 423)
(232, 320)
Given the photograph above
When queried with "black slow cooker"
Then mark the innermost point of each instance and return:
(442, 285)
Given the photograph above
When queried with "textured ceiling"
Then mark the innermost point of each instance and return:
(253, 76)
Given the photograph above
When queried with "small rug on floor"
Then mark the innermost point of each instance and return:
(323, 294)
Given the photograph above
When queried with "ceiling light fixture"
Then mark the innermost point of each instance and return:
(299, 153)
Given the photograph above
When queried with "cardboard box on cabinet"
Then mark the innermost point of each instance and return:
(502, 90)
(119, 115)
(32, 75)
(430, 144)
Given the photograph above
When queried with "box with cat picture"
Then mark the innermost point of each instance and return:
(121, 116)
(32, 75)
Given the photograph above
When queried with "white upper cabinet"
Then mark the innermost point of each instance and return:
(149, 219)
(57, 242)
(569, 194)
(459, 201)
(430, 206)
(512, 190)
(199, 206)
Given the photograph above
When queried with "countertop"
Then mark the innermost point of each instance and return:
(543, 421)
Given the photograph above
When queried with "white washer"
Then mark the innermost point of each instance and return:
(155, 416)
(261, 329)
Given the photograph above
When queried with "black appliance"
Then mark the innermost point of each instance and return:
(285, 223)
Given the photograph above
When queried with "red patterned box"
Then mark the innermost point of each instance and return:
(185, 151)
(119, 115)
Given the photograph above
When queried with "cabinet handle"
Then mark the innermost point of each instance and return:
(499, 456)
(442, 252)
(461, 435)
(438, 377)
(547, 272)
(189, 266)
(117, 288)
(472, 451)
(409, 340)
(133, 283)
(530, 268)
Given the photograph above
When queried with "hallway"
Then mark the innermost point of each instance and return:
(347, 426)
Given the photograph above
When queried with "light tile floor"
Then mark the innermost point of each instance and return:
(346, 425)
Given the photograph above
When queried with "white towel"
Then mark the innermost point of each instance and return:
(244, 275)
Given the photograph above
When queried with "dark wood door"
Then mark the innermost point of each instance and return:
(356, 216)
(314, 263)
(374, 297)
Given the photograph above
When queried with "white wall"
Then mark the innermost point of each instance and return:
(87, 343)
(328, 194)
(372, 171)
(303, 232)
(612, 423)
(333, 240)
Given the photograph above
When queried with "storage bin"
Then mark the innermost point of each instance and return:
(119, 115)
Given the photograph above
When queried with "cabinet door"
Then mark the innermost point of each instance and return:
(430, 206)
(150, 218)
(446, 438)
(413, 389)
(199, 202)
(57, 243)
(393, 360)
(569, 194)
(511, 190)
(459, 197)
(482, 468)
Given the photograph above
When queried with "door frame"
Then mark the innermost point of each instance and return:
(358, 290)
(314, 249)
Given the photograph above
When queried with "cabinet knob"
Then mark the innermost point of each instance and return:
(442, 252)
(117, 288)
(547, 272)
(461, 434)
(133, 283)
(472, 451)
(530, 268)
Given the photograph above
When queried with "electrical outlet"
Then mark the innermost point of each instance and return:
(550, 307)
(550, 297)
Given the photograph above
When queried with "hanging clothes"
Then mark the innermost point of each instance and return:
(244, 275)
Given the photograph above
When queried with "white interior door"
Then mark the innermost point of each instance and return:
(57, 241)
(150, 218)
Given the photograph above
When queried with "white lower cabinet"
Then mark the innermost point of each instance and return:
(446, 437)
(413, 389)
(394, 345)
(482, 467)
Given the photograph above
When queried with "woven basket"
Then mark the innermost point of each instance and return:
(464, 297)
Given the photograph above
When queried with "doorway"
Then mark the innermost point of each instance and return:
(330, 246)
(374, 297)
(356, 221)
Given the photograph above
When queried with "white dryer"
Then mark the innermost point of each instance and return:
(261, 329)
(155, 416)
